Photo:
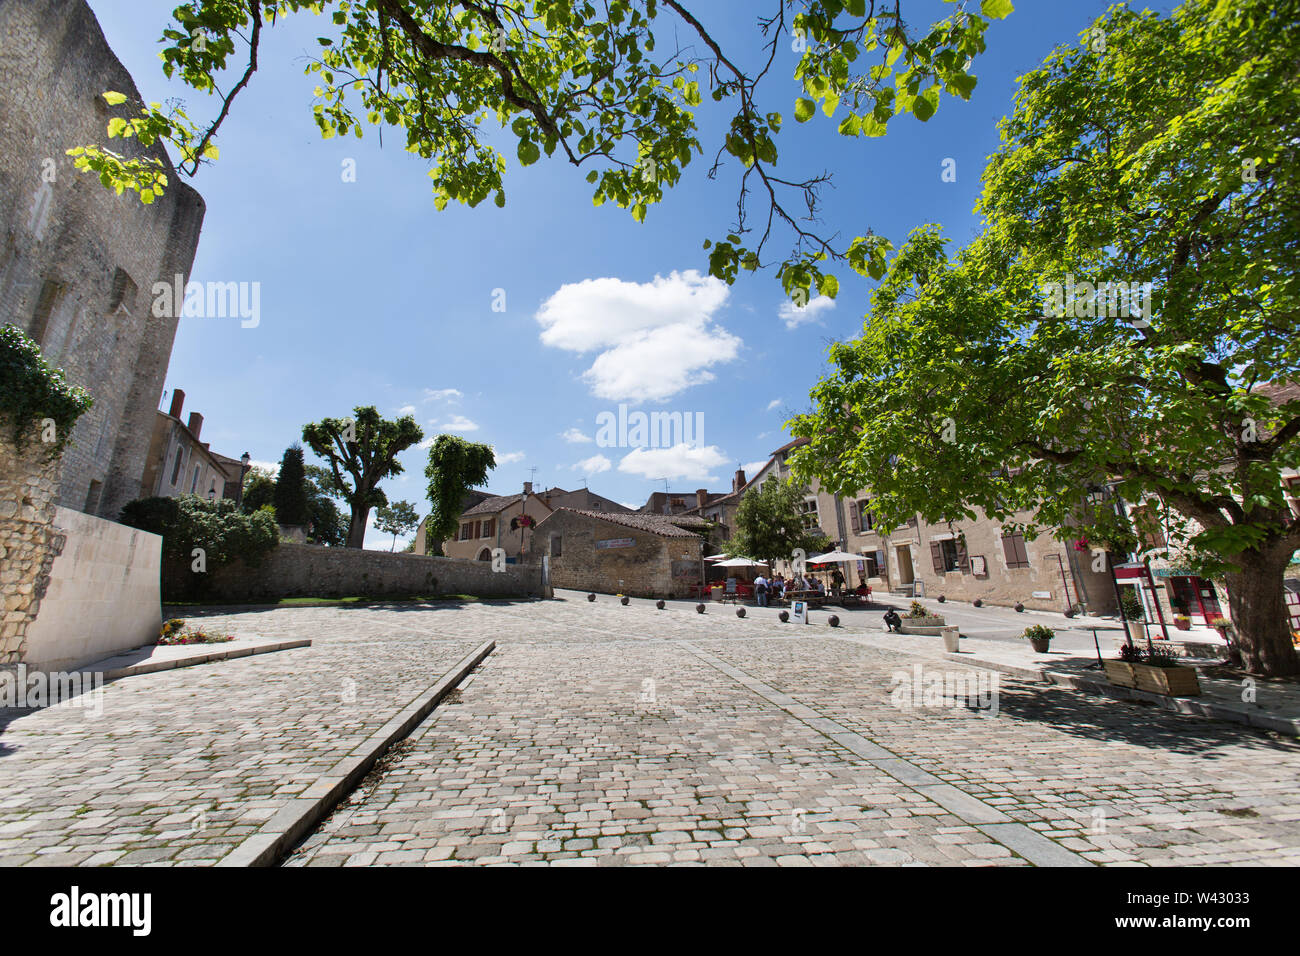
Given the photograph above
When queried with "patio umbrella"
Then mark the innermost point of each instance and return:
(740, 563)
(834, 557)
(714, 557)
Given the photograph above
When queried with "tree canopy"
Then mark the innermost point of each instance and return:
(396, 519)
(361, 452)
(595, 83)
(290, 496)
(769, 525)
(455, 466)
(1159, 154)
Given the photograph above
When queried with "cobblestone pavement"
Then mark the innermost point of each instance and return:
(182, 765)
(606, 734)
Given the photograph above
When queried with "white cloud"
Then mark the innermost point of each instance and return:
(681, 461)
(655, 338)
(795, 316)
(509, 457)
(575, 436)
(752, 468)
(441, 395)
(406, 410)
(458, 423)
(272, 466)
(773, 404)
(593, 465)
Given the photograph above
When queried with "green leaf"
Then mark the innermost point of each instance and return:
(114, 99)
(804, 109)
(996, 9)
(528, 152)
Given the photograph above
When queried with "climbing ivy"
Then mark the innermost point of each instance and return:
(32, 392)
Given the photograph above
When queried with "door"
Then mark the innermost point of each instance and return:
(904, 553)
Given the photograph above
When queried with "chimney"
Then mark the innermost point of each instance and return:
(528, 487)
(702, 497)
(178, 402)
(739, 481)
(195, 424)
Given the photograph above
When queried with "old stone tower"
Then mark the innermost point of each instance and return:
(77, 262)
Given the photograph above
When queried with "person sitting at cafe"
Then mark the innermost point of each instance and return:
(892, 620)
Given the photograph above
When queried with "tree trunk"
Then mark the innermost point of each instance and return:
(1259, 615)
(357, 529)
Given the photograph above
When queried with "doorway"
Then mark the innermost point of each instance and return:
(905, 573)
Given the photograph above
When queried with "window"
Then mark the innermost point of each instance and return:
(92, 497)
(808, 510)
(1013, 546)
(866, 519)
(123, 294)
(1147, 523)
(45, 304)
(466, 530)
(176, 468)
(194, 482)
(489, 528)
(556, 546)
(869, 566)
(949, 555)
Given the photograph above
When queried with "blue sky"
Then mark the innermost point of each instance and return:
(369, 296)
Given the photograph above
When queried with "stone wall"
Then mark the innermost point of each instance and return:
(304, 570)
(77, 262)
(29, 541)
(103, 594)
(643, 569)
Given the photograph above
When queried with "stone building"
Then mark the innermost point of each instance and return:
(77, 262)
(180, 464)
(507, 522)
(633, 553)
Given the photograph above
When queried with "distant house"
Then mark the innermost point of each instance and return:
(506, 522)
(179, 463)
(632, 553)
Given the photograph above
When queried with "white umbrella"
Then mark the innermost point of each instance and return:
(834, 557)
(714, 557)
(740, 563)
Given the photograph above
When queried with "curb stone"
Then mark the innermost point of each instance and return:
(302, 814)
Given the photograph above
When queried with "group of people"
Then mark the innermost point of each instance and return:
(765, 591)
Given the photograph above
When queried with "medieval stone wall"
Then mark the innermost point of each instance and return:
(29, 542)
(642, 568)
(77, 262)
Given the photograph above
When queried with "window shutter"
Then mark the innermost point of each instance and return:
(963, 559)
(1009, 550)
(1021, 551)
(853, 516)
(936, 555)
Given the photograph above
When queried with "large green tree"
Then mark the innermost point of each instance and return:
(363, 448)
(1161, 150)
(455, 466)
(769, 525)
(325, 523)
(612, 87)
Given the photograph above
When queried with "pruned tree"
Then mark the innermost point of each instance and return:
(1125, 324)
(455, 466)
(361, 452)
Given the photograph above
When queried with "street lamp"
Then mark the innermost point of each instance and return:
(244, 460)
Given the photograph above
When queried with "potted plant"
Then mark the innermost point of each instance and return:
(1183, 622)
(1040, 637)
(1157, 672)
(1130, 605)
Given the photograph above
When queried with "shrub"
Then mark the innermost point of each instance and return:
(1130, 605)
(918, 610)
(218, 527)
(31, 390)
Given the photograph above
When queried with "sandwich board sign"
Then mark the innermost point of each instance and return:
(799, 611)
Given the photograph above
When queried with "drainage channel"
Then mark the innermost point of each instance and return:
(301, 816)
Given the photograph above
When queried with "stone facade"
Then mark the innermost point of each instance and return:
(485, 525)
(77, 262)
(303, 570)
(638, 555)
(180, 464)
(29, 542)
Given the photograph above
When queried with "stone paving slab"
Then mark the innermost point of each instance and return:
(183, 765)
(163, 657)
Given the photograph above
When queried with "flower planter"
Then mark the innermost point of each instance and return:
(1170, 681)
(951, 639)
(1040, 645)
(1183, 623)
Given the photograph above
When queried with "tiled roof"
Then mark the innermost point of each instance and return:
(663, 525)
(790, 444)
(1279, 393)
(490, 506)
